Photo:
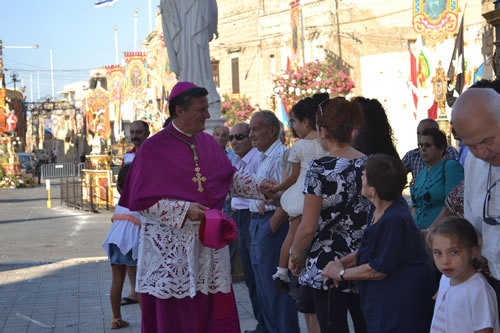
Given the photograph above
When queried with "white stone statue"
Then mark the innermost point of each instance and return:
(188, 27)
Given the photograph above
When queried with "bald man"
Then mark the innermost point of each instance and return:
(476, 119)
(221, 135)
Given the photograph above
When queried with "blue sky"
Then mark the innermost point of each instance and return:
(81, 38)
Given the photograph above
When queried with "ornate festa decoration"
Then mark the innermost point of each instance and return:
(434, 19)
(295, 44)
(135, 70)
(136, 75)
(116, 88)
(439, 83)
(98, 113)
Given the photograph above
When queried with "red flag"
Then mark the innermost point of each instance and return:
(11, 122)
(432, 112)
(413, 64)
(288, 65)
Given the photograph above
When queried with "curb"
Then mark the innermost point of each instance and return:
(72, 261)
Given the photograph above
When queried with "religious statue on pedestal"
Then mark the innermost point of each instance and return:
(188, 27)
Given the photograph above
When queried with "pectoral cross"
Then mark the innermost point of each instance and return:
(199, 178)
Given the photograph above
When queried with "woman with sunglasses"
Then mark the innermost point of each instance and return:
(334, 217)
(436, 181)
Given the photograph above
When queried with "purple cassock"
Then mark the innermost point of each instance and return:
(164, 167)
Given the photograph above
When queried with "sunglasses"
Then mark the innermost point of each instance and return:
(238, 137)
(486, 218)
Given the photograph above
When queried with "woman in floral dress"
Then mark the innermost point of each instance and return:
(335, 215)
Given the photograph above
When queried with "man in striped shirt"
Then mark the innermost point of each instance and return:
(412, 160)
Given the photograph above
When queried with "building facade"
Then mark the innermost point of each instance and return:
(369, 40)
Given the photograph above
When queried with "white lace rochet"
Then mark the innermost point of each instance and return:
(172, 262)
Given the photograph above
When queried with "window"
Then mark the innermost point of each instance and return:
(235, 71)
(215, 72)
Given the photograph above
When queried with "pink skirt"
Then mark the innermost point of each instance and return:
(213, 313)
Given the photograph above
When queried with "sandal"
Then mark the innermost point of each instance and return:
(127, 301)
(118, 323)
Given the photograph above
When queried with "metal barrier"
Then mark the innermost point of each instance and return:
(79, 168)
(74, 190)
(59, 170)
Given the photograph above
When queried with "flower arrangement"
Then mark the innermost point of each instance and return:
(236, 109)
(15, 181)
(315, 77)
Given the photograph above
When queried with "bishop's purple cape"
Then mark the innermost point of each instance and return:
(164, 167)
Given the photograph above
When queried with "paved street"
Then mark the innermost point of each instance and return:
(53, 273)
(31, 232)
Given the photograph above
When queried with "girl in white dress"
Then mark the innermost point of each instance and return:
(465, 302)
(122, 246)
(307, 148)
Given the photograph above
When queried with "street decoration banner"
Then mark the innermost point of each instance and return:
(97, 114)
(17, 111)
(435, 19)
(413, 79)
(478, 73)
(47, 125)
(136, 82)
(135, 71)
(11, 122)
(116, 89)
(456, 70)
(423, 70)
(3, 111)
(295, 41)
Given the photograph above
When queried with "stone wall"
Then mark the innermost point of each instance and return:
(374, 36)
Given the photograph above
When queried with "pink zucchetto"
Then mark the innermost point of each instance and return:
(180, 88)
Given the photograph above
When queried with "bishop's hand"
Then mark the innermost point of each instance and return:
(266, 186)
(196, 211)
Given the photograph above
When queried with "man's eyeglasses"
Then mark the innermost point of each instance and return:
(424, 145)
(486, 218)
(238, 137)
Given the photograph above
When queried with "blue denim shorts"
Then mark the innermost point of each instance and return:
(118, 258)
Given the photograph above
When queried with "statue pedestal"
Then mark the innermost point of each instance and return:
(98, 181)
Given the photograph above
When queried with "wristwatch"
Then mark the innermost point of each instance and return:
(342, 274)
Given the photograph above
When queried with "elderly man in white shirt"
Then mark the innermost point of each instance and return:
(247, 159)
(476, 119)
(278, 308)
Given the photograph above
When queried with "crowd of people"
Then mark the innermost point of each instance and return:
(322, 228)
